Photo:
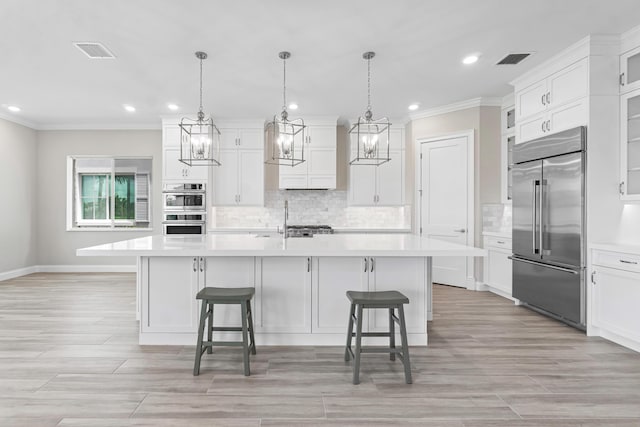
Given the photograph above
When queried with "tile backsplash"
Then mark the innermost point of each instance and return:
(310, 207)
(496, 217)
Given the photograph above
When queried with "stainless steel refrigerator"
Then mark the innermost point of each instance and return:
(549, 225)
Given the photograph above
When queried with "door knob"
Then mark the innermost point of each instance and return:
(461, 230)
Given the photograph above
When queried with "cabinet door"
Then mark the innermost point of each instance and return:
(404, 274)
(285, 295)
(616, 301)
(568, 116)
(506, 164)
(251, 139)
(322, 160)
(531, 128)
(171, 136)
(362, 185)
(499, 274)
(251, 178)
(630, 146)
(170, 292)
(172, 168)
(508, 119)
(225, 179)
(389, 184)
(230, 272)
(333, 277)
(197, 173)
(228, 138)
(531, 100)
(630, 70)
(294, 176)
(322, 136)
(568, 84)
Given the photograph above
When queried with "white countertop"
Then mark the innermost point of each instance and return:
(626, 248)
(232, 230)
(257, 245)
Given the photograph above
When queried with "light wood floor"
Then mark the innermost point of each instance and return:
(69, 357)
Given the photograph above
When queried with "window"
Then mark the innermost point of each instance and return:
(107, 192)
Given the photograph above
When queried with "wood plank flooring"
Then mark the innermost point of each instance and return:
(69, 357)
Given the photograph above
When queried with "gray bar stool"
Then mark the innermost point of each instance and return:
(211, 296)
(391, 300)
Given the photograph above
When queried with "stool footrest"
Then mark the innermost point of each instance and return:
(222, 343)
(380, 350)
(372, 334)
(226, 329)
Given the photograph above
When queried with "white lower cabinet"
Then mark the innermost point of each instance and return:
(236, 272)
(284, 295)
(169, 287)
(615, 297)
(497, 265)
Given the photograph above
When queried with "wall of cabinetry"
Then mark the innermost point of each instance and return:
(318, 171)
(379, 185)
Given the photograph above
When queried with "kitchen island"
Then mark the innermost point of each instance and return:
(300, 282)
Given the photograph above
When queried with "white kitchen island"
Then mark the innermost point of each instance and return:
(300, 282)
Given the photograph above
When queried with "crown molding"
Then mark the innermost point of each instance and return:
(101, 126)
(457, 106)
(18, 121)
(629, 39)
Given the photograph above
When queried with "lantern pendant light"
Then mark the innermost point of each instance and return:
(199, 138)
(284, 137)
(371, 135)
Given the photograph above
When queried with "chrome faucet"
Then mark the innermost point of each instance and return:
(286, 216)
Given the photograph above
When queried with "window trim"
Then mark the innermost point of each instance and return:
(73, 203)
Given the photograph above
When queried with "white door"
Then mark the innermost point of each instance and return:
(444, 205)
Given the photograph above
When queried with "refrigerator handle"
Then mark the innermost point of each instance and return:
(534, 216)
(541, 217)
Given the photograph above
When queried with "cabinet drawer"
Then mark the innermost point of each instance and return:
(498, 242)
(618, 260)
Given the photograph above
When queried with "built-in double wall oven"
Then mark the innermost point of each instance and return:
(185, 209)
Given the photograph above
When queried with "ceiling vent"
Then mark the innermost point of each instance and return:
(513, 59)
(94, 50)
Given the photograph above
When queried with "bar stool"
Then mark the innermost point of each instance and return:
(211, 296)
(391, 300)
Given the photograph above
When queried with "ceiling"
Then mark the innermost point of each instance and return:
(419, 46)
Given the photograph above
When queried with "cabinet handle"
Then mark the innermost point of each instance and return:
(624, 261)
(593, 277)
(543, 126)
(500, 242)
(239, 198)
(201, 264)
(373, 263)
(548, 98)
(366, 264)
(542, 99)
(622, 79)
(621, 188)
(308, 264)
(195, 260)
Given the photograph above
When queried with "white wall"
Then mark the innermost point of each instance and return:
(56, 246)
(18, 206)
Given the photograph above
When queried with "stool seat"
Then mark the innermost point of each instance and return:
(226, 294)
(384, 298)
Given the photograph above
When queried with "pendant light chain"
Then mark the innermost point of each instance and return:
(284, 84)
(368, 84)
(201, 84)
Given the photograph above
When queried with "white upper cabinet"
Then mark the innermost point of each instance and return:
(508, 137)
(630, 145)
(630, 70)
(318, 171)
(553, 104)
(172, 168)
(239, 180)
(381, 185)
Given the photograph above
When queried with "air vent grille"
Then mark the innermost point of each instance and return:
(513, 58)
(94, 50)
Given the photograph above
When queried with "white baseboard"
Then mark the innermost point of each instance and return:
(12, 274)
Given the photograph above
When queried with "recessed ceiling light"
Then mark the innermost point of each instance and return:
(13, 108)
(130, 108)
(414, 107)
(293, 106)
(471, 59)
(172, 107)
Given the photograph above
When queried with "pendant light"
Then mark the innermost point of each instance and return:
(371, 135)
(284, 137)
(199, 138)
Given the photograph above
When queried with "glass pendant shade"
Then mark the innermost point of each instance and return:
(199, 138)
(284, 137)
(370, 136)
(199, 142)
